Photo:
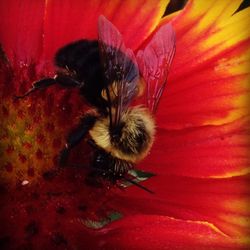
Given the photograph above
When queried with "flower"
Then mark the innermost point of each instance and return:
(200, 155)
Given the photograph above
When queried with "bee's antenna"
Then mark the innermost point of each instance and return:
(138, 185)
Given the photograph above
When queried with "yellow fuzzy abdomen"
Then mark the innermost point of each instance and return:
(135, 140)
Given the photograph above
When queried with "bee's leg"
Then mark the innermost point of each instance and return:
(41, 84)
(87, 122)
(133, 182)
(64, 81)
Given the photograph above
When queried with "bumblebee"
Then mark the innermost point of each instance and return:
(110, 77)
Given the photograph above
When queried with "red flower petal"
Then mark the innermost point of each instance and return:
(158, 232)
(209, 76)
(202, 151)
(29, 27)
(21, 28)
(60, 30)
(183, 212)
(217, 205)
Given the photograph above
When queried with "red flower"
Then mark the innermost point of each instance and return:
(200, 155)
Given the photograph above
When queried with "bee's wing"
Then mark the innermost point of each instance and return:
(120, 68)
(154, 64)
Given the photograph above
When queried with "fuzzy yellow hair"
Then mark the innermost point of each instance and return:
(138, 122)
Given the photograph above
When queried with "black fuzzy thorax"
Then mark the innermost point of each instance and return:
(82, 58)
